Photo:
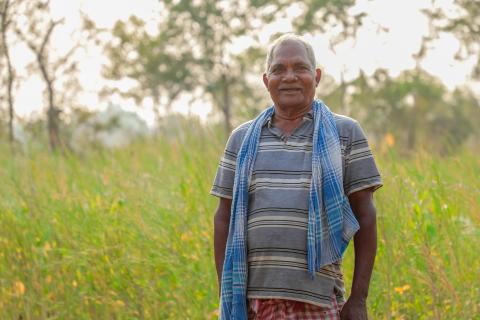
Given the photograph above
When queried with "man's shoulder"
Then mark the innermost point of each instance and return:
(241, 129)
(345, 125)
(237, 135)
(239, 132)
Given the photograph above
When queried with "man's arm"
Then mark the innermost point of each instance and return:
(221, 224)
(365, 242)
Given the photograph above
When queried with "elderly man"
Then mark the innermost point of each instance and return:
(295, 184)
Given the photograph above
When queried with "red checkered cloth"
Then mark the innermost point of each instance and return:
(280, 309)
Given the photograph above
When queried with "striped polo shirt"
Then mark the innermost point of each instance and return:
(278, 207)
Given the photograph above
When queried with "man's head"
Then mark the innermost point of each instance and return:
(291, 76)
(286, 38)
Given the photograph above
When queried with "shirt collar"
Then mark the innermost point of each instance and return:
(306, 117)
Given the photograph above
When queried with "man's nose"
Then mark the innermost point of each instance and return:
(290, 75)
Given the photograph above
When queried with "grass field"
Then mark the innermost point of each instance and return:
(128, 234)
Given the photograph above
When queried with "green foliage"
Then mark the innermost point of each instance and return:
(192, 50)
(320, 16)
(463, 21)
(414, 107)
(128, 234)
(155, 62)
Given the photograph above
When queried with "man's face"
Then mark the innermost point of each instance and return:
(291, 79)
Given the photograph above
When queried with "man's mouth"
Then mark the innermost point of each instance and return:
(290, 90)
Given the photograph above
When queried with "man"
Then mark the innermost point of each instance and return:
(288, 183)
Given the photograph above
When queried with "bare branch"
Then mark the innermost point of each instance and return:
(65, 59)
(46, 38)
(4, 15)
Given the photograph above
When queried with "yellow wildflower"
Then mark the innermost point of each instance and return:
(389, 139)
(19, 288)
(119, 303)
(401, 290)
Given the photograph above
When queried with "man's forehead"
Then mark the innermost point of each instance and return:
(292, 50)
(290, 59)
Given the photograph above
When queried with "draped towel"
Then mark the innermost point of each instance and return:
(331, 223)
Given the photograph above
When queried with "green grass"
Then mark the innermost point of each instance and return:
(128, 234)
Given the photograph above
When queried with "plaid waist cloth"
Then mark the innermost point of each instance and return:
(281, 309)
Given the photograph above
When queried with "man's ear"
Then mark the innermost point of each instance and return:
(265, 80)
(318, 75)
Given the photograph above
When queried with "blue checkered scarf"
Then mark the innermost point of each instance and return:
(331, 223)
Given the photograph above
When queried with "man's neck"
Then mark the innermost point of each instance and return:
(288, 119)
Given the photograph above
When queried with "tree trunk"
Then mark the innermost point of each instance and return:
(52, 113)
(49, 78)
(10, 76)
(52, 120)
(412, 135)
(10, 108)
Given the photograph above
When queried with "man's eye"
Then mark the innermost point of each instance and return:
(302, 68)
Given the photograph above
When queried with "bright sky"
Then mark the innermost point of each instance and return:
(402, 23)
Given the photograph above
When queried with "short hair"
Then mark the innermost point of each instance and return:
(290, 37)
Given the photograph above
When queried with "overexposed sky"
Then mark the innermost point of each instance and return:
(392, 32)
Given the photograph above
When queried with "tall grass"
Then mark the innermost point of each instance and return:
(127, 234)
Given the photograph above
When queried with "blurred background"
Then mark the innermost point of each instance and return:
(114, 114)
(407, 71)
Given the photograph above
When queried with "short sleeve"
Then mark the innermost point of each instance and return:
(361, 171)
(223, 183)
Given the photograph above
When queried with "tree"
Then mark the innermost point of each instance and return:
(56, 70)
(7, 11)
(201, 35)
(159, 71)
(320, 16)
(37, 36)
(188, 55)
(415, 108)
(463, 21)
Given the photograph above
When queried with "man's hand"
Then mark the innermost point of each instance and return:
(354, 309)
(365, 242)
(221, 224)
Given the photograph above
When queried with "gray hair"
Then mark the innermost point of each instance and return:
(290, 37)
